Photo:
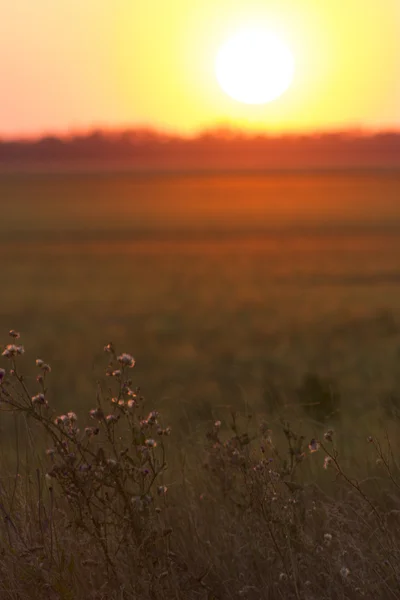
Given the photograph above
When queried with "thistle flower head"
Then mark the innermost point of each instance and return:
(38, 399)
(111, 419)
(150, 443)
(126, 360)
(11, 351)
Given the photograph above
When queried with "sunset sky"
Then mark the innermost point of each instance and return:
(71, 65)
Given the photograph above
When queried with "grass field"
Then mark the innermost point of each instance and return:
(207, 281)
(247, 301)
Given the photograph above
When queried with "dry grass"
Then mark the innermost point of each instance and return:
(118, 508)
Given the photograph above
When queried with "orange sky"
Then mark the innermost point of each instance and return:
(70, 65)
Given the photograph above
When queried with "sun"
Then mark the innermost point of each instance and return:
(254, 67)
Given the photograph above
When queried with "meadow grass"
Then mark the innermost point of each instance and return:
(249, 346)
(113, 504)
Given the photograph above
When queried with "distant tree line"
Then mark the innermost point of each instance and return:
(212, 149)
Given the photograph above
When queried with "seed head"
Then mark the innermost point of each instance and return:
(39, 363)
(96, 413)
(38, 399)
(162, 490)
(327, 462)
(150, 443)
(327, 539)
(126, 360)
(328, 435)
(111, 419)
(152, 417)
(313, 445)
(11, 350)
(14, 334)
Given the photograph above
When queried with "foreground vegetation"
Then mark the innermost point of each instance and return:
(120, 507)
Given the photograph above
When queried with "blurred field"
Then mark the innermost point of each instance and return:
(222, 287)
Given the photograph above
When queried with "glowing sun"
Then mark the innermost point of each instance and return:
(254, 67)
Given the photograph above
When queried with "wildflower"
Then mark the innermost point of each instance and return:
(150, 443)
(61, 420)
(72, 416)
(313, 445)
(39, 379)
(126, 360)
(11, 350)
(46, 368)
(109, 348)
(162, 490)
(131, 404)
(327, 462)
(328, 435)
(217, 424)
(370, 439)
(50, 451)
(14, 334)
(96, 413)
(39, 362)
(344, 572)
(116, 373)
(111, 419)
(152, 418)
(327, 539)
(38, 399)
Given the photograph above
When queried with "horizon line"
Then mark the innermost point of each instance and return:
(217, 131)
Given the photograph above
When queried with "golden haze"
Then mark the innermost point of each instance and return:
(79, 65)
